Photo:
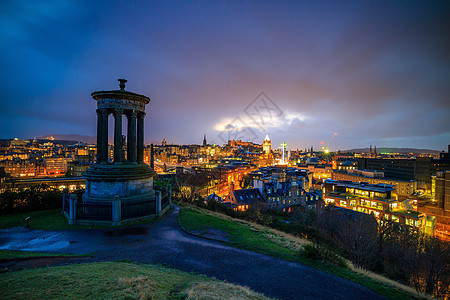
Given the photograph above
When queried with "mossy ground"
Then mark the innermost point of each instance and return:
(116, 280)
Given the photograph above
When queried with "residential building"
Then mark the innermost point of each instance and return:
(245, 199)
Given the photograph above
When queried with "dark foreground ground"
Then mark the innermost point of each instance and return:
(163, 242)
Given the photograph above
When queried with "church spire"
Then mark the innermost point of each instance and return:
(204, 139)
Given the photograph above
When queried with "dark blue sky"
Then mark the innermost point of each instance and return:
(374, 72)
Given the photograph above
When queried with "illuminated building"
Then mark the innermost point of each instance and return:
(377, 199)
(266, 159)
(403, 188)
(77, 168)
(245, 199)
(318, 171)
(267, 145)
(56, 165)
(61, 183)
(283, 187)
(440, 204)
(22, 168)
(420, 169)
(347, 164)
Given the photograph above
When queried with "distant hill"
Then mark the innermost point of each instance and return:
(397, 150)
(70, 137)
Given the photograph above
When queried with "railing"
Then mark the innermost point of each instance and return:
(115, 210)
(136, 209)
(164, 199)
(94, 211)
(66, 205)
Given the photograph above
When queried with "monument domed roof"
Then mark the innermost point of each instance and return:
(120, 94)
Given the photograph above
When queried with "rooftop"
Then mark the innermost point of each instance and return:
(410, 213)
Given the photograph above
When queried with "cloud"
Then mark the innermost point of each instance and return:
(371, 71)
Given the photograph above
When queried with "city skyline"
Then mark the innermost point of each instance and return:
(374, 73)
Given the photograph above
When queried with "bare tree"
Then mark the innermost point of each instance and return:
(429, 263)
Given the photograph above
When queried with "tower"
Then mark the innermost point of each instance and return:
(283, 151)
(267, 145)
(204, 140)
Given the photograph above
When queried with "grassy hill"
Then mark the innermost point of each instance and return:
(116, 280)
(254, 237)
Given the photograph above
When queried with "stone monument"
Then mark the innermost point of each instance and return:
(120, 189)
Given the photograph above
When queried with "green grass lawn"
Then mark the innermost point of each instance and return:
(42, 219)
(116, 280)
(51, 219)
(239, 235)
(242, 236)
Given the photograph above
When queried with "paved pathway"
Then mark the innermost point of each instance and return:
(163, 242)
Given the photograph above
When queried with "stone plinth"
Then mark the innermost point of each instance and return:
(129, 182)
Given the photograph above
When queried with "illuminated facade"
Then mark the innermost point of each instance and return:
(440, 204)
(403, 188)
(266, 159)
(267, 145)
(377, 199)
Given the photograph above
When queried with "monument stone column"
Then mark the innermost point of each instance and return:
(118, 135)
(131, 150)
(99, 135)
(104, 136)
(140, 137)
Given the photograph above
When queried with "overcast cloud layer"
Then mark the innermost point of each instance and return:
(373, 72)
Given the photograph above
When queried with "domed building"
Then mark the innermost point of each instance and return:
(312, 161)
(347, 165)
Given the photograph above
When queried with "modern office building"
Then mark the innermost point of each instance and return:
(377, 199)
(404, 188)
